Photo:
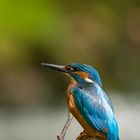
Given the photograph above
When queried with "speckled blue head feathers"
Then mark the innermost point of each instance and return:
(78, 71)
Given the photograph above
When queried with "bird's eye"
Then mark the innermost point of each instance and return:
(76, 69)
(72, 69)
(69, 68)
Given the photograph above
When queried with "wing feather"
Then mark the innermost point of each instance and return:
(97, 110)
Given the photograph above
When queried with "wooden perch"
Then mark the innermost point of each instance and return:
(82, 135)
(64, 130)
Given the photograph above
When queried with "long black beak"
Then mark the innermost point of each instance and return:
(55, 67)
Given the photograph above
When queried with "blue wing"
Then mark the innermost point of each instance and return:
(97, 110)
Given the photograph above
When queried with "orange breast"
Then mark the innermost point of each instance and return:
(73, 109)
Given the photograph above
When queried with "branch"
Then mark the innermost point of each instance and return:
(64, 130)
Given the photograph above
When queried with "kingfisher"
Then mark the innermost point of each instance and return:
(88, 102)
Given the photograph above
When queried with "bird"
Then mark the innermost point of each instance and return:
(88, 102)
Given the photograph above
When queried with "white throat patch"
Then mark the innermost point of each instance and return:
(88, 80)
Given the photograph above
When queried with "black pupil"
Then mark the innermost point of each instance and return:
(72, 68)
(76, 69)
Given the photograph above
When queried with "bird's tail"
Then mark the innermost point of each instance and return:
(113, 137)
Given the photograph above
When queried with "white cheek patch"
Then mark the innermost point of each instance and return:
(88, 80)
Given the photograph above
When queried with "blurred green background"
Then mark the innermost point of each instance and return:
(105, 34)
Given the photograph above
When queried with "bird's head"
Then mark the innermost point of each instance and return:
(82, 73)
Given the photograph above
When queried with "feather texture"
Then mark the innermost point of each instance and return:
(96, 108)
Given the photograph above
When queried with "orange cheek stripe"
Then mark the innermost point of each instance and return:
(82, 74)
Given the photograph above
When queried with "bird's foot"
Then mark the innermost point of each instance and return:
(83, 136)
